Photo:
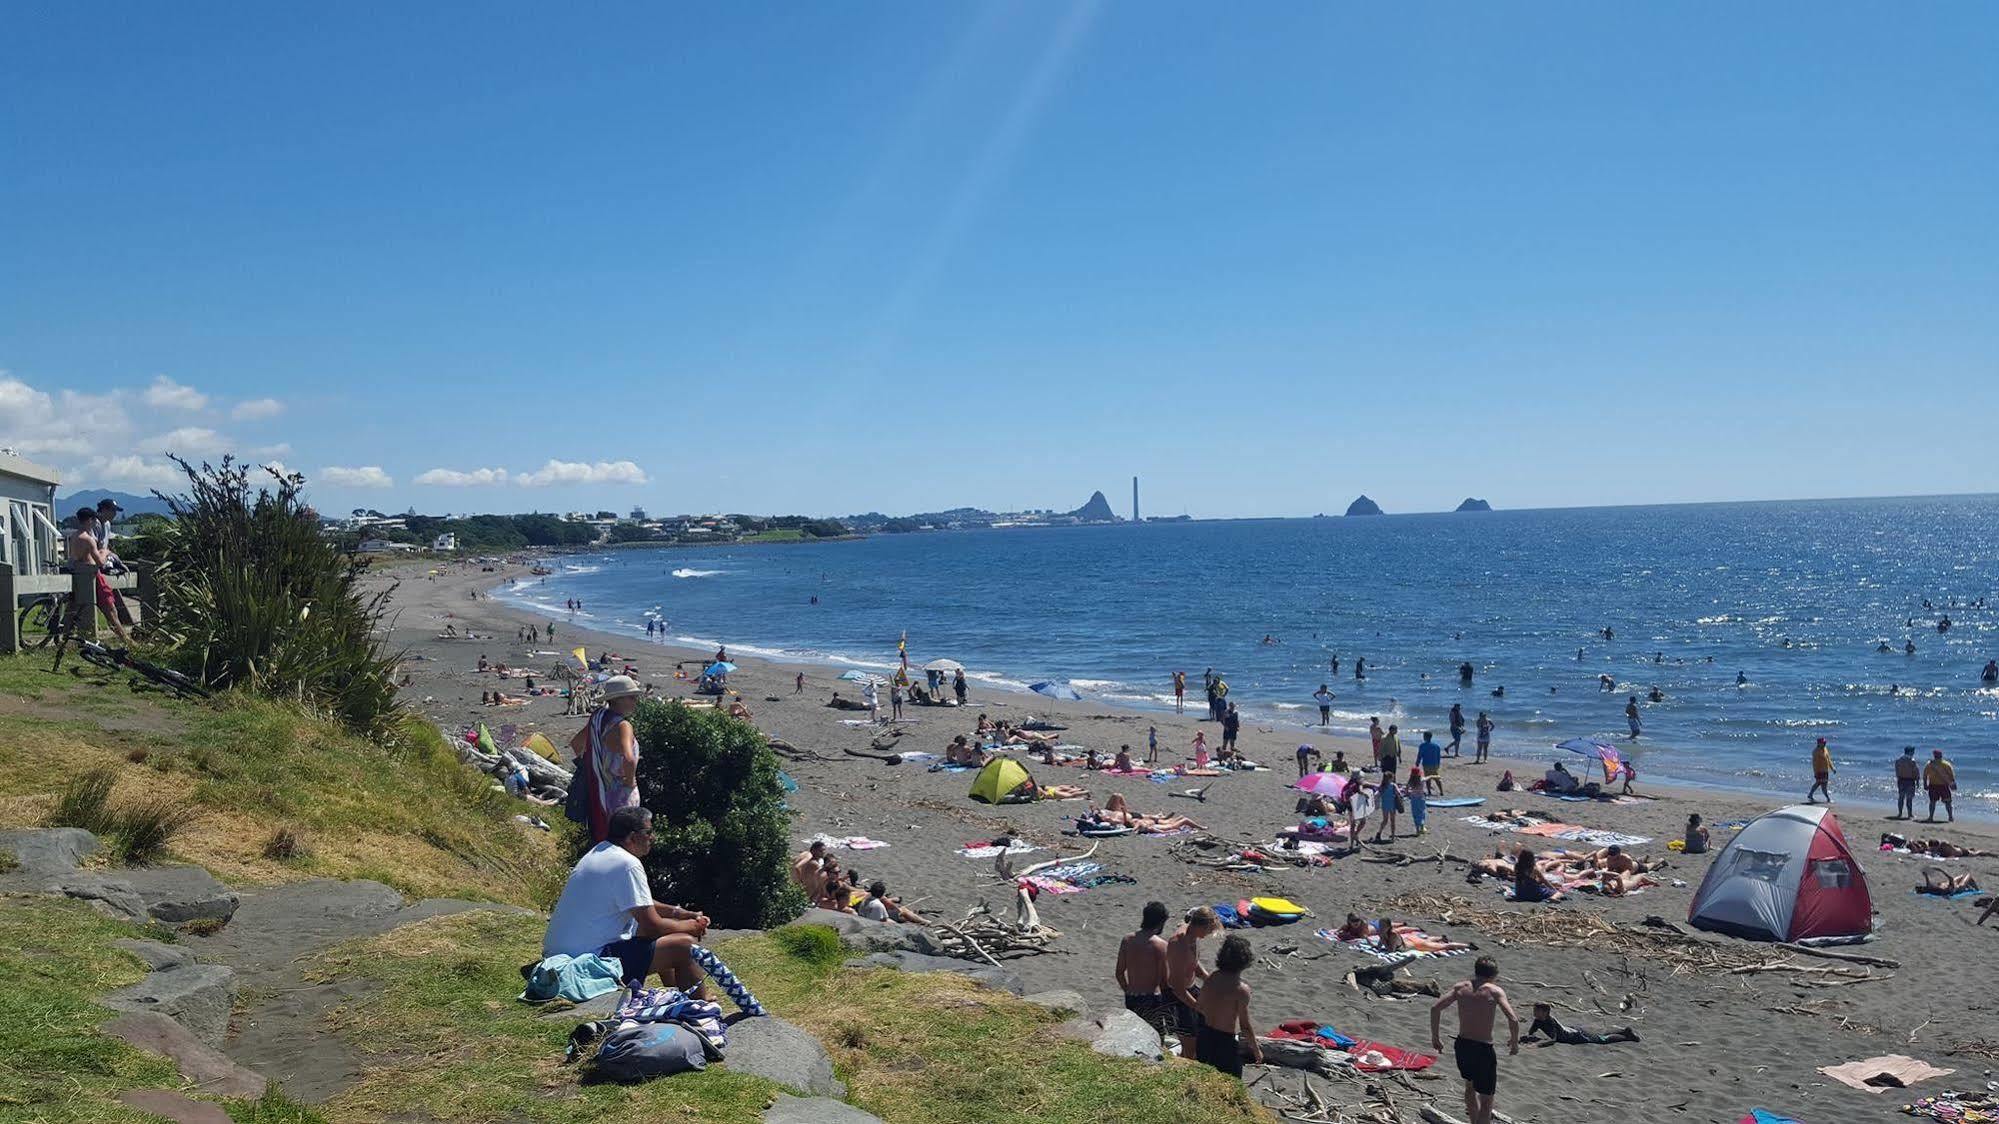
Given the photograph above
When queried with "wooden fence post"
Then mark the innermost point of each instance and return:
(10, 628)
(83, 600)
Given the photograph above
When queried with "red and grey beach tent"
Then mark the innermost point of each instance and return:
(1788, 876)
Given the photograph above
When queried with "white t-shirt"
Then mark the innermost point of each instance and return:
(597, 902)
(873, 910)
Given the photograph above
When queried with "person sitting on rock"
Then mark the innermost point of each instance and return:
(878, 906)
(607, 909)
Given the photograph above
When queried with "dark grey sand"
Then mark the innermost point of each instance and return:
(1714, 1044)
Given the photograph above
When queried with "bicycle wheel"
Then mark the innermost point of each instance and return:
(169, 679)
(95, 653)
(41, 621)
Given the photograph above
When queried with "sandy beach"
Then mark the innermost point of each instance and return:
(1714, 1042)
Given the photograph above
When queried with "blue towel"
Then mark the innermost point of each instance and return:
(575, 978)
(1972, 893)
(1338, 1040)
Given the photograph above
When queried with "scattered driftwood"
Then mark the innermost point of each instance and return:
(1680, 954)
(1820, 975)
(1003, 864)
(1835, 954)
(983, 935)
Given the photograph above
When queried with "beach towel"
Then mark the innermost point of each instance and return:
(1374, 1057)
(1414, 941)
(1102, 830)
(575, 978)
(1933, 895)
(1889, 1071)
(1166, 834)
(1305, 1030)
(1200, 772)
(1456, 801)
(1049, 885)
(850, 842)
(988, 851)
(1765, 1116)
(1126, 772)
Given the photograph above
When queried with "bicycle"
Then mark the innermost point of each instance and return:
(121, 659)
(43, 620)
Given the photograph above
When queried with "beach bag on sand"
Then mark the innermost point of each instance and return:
(640, 1051)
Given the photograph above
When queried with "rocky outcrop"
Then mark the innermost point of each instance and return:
(197, 996)
(776, 1050)
(1363, 506)
(1474, 505)
(47, 852)
(1118, 1034)
(202, 1065)
(788, 1109)
(1098, 510)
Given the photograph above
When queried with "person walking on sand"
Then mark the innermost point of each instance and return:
(1184, 973)
(1822, 772)
(1324, 698)
(958, 685)
(895, 701)
(1419, 802)
(1388, 801)
(1391, 751)
(1940, 778)
(1631, 714)
(1226, 1028)
(1374, 734)
(1907, 773)
(1152, 745)
(1484, 737)
(1141, 971)
(1456, 748)
(1477, 1000)
(1179, 692)
(1430, 757)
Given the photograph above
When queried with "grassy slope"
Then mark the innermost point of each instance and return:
(406, 814)
(56, 956)
(914, 1049)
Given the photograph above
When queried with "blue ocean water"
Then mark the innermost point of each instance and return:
(1795, 596)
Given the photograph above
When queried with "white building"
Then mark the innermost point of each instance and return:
(445, 542)
(28, 531)
(384, 546)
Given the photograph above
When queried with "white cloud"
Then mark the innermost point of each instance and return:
(281, 449)
(452, 478)
(166, 394)
(188, 440)
(366, 476)
(256, 409)
(36, 424)
(131, 470)
(577, 472)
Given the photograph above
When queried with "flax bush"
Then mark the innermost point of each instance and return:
(253, 596)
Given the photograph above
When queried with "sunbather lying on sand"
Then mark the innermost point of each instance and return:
(1942, 883)
(1940, 848)
(1613, 858)
(1401, 938)
(838, 703)
(1116, 811)
(1036, 791)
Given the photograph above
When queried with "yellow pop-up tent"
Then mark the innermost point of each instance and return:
(1002, 782)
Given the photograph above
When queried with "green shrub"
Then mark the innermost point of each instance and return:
(141, 832)
(817, 945)
(253, 596)
(721, 834)
(85, 802)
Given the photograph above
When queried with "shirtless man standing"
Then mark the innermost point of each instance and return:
(1141, 971)
(1184, 973)
(1478, 1063)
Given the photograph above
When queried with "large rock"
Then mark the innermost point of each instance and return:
(114, 897)
(175, 894)
(815, 1110)
(201, 1064)
(776, 1050)
(1062, 1001)
(1119, 1034)
(172, 1106)
(198, 996)
(1005, 979)
(42, 853)
(158, 957)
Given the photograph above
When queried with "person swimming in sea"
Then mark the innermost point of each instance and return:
(1741, 679)
(1991, 673)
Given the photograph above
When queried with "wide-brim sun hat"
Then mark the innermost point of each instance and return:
(621, 687)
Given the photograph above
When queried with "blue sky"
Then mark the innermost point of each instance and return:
(830, 258)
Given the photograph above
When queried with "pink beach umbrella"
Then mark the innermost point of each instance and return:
(1323, 784)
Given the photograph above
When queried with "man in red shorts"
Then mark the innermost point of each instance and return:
(85, 550)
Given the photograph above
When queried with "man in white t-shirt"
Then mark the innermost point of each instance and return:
(607, 908)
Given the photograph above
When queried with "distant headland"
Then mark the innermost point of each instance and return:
(1474, 505)
(1363, 506)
